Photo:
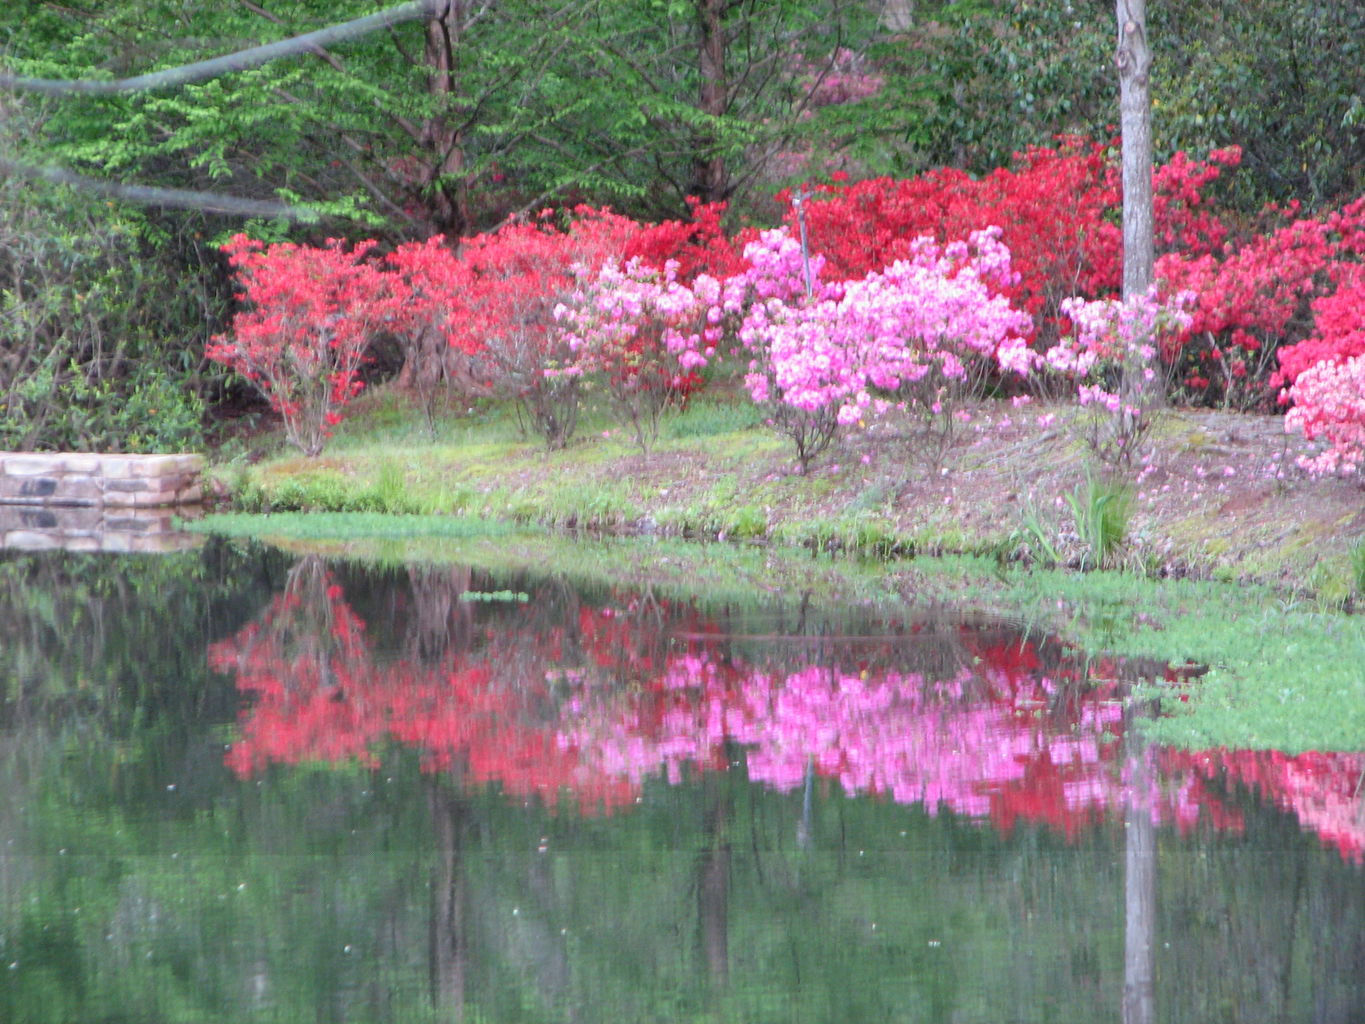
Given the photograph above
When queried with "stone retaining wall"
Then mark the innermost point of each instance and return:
(87, 480)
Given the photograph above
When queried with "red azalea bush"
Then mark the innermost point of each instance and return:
(312, 314)
(1338, 328)
(492, 303)
(1247, 302)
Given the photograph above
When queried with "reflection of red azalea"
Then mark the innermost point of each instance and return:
(1322, 790)
(590, 704)
(320, 696)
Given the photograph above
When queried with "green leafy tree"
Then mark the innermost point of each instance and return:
(101, 334)
(447, 125)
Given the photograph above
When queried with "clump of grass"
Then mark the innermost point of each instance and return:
(327, 490)
(1038, 538)
(746, 522)
(1101, 509)
(1357, 560)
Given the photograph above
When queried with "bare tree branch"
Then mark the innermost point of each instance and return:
(147, 195)
(309, 42)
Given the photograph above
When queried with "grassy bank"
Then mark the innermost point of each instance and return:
(1222, 499)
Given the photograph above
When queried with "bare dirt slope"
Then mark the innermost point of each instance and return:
(1223, 494)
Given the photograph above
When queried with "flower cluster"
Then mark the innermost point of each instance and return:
(853, 349)
(312, 313)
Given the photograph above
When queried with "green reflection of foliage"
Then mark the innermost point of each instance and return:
(140, 881)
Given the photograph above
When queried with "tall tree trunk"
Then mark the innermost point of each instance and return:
(1134, 60)
(442, 135)
(710, 176)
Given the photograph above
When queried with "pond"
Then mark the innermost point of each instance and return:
(243, 785)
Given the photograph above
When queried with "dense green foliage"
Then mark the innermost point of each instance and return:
(102, 331)
(492, 109)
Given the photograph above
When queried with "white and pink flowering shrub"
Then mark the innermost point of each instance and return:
(1112, 358)
(1329, 403)
(641, 334)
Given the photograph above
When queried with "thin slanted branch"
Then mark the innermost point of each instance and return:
(148, 195)
(253, 57)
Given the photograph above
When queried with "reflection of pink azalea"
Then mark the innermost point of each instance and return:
(592, 708)
(887, 733)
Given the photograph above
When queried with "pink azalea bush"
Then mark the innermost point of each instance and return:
(1329, 403)
(641, 334)
(829, 354)
(1112, 356)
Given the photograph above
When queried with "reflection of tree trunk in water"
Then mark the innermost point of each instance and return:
(441, 622)
(713, 890)
(449, 946)
(1139, 887)
(803, 827)
(310, 632)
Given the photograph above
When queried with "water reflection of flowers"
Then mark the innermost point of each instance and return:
(1001, 739)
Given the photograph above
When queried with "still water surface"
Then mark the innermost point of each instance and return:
(238, 785)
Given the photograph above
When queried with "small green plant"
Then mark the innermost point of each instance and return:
(1357, 558)
(389, 492)
(1038, 537)
(747, 521)
(247, 495)
(1101, 509)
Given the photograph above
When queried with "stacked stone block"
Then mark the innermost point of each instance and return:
(82, 480)
(82, 502)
